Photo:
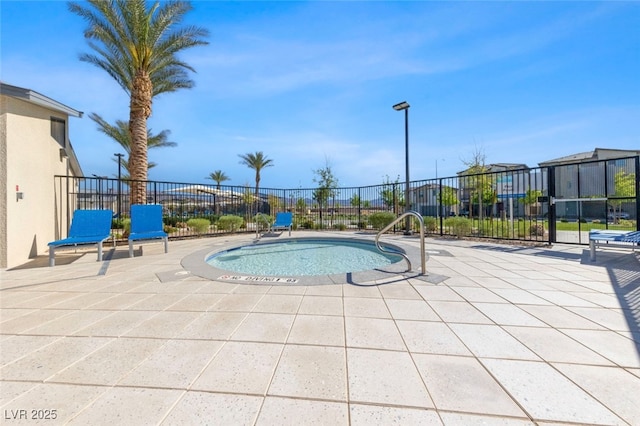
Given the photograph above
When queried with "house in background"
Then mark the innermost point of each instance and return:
(425, 199)
(510, 181)
(34, 147)
(598, 154)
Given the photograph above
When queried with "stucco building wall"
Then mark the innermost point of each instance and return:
(31, 157)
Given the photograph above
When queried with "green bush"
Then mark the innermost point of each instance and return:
(379, 220)
(121, 224)
(340, 226)
(126, 225)
(430, 224)
(212, 218)
(459, 226)
(262, 217)
(171, 220)
(626, 223)
(199, 225)
(229, 223)
(263, 221)
(307, 224)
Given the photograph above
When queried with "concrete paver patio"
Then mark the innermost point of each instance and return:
(509, 335)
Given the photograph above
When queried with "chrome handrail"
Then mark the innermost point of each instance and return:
(422, 252)
(265, 219)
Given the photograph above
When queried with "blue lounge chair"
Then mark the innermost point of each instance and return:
(87, 227)
(612, 239)
(284, 220)
(146, 224)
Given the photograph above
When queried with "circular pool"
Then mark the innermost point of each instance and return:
(303, 257)
(298, 260)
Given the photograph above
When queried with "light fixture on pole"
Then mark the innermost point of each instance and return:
(119, 180)
(407, 205)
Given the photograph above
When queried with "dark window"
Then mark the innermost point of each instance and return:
(58, 131)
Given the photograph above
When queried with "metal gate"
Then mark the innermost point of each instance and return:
(593, 195)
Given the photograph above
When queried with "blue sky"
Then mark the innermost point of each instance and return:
(314, 82)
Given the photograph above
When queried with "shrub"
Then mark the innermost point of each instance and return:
(381, 219)
(459, 226)
(340, 226)
(536, 230)
(126, 225)
(199, 225)
(430, 224)
(229, 223)
(171, 220)
(263, 218)
(123, 226)
(262, 221)
(307, 224)
(212, 218)
(626, 223)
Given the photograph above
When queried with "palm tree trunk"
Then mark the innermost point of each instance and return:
(140, 110)
(257, 197)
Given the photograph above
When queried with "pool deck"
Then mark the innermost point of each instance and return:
(494, 335)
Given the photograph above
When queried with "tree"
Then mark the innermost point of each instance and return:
(138, 46)
(301, 205)
(355, 200)
(218, 176)
(120, 133)
(327, 186)
(449, 197)
(390, 194)
(480, 188)
(257, 162)
(530, 198)
(275, 204)
(624, 187)
(248, 198)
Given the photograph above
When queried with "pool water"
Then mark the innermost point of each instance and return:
(303, 257)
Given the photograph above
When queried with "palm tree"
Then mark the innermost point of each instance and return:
(120, 133)
(257, 162)
(218, 176)
(138, 47)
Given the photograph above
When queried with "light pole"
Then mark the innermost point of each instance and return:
(407, 205)
(99, 189)
(119, 179)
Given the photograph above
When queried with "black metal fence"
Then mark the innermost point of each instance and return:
(533, 204)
